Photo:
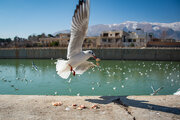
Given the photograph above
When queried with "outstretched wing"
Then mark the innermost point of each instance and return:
(84, 67)
(79, 27)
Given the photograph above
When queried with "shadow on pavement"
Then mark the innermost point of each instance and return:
(123, 100)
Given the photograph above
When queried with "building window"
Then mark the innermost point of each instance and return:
(110, 40)
(110, 34)
(105, 35)
(124, 38)
(89, 45)
(134, 40)
(103, 40)
(117, 40)
(141, 40)
(129, 40)
(117, 34)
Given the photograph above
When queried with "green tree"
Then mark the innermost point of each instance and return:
(16, 38)
(132, 45)
(54, 44)
(50, 35)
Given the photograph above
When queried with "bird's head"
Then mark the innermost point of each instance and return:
(90, 53)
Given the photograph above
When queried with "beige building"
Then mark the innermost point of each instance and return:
(112, 39)
(64, 38)
(123, 39)
(136, 40)
(91, 42)
(106, 39)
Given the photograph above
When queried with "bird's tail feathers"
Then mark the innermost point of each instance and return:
(63, 69)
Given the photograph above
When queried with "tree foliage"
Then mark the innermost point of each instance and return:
(8, 40)
(54, 44)
(50, 35)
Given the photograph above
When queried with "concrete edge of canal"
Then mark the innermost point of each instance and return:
(34, 107)
(149, 54)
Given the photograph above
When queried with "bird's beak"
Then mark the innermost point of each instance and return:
(94, 57)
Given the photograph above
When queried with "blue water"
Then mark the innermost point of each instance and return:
(112, 78)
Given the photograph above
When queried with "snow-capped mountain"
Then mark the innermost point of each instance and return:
(172, 29)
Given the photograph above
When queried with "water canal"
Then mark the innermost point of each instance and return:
(112, 78)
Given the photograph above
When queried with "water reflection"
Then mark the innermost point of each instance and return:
(111, 78)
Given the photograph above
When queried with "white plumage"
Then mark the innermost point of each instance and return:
(77, 59)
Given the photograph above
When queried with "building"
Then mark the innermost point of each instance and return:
(91, 42)
(106, 39)
(136, 40)
(123, 39)
(64, 38)
(112, 39)
(163, 44)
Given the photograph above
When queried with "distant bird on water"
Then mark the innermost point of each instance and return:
(77, 59)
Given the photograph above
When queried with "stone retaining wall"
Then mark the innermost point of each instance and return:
(155, 54)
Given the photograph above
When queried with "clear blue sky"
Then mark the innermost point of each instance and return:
(27, 17)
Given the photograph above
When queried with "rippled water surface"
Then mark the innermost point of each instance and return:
(111, 78)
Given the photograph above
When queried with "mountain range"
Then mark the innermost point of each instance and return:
(171, 30)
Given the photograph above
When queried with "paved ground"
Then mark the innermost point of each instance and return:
(14, 107)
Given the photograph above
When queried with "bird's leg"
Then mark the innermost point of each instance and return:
(74, 73)
(71, 69)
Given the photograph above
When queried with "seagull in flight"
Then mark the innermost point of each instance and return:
(77, 59)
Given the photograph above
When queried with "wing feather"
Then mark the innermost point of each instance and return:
(79, 27)
(84, 67)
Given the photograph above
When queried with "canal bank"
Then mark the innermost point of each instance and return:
(16, 107)
(153, 54)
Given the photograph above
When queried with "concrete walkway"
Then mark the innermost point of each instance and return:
(18, 107)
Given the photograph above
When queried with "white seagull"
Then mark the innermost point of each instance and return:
(77, 59)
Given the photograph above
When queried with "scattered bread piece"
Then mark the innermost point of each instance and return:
(97, 59)
(97, 63)
(57, 104)
(95, 107)
(74, 105)
(82, 106)
(79, 108)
